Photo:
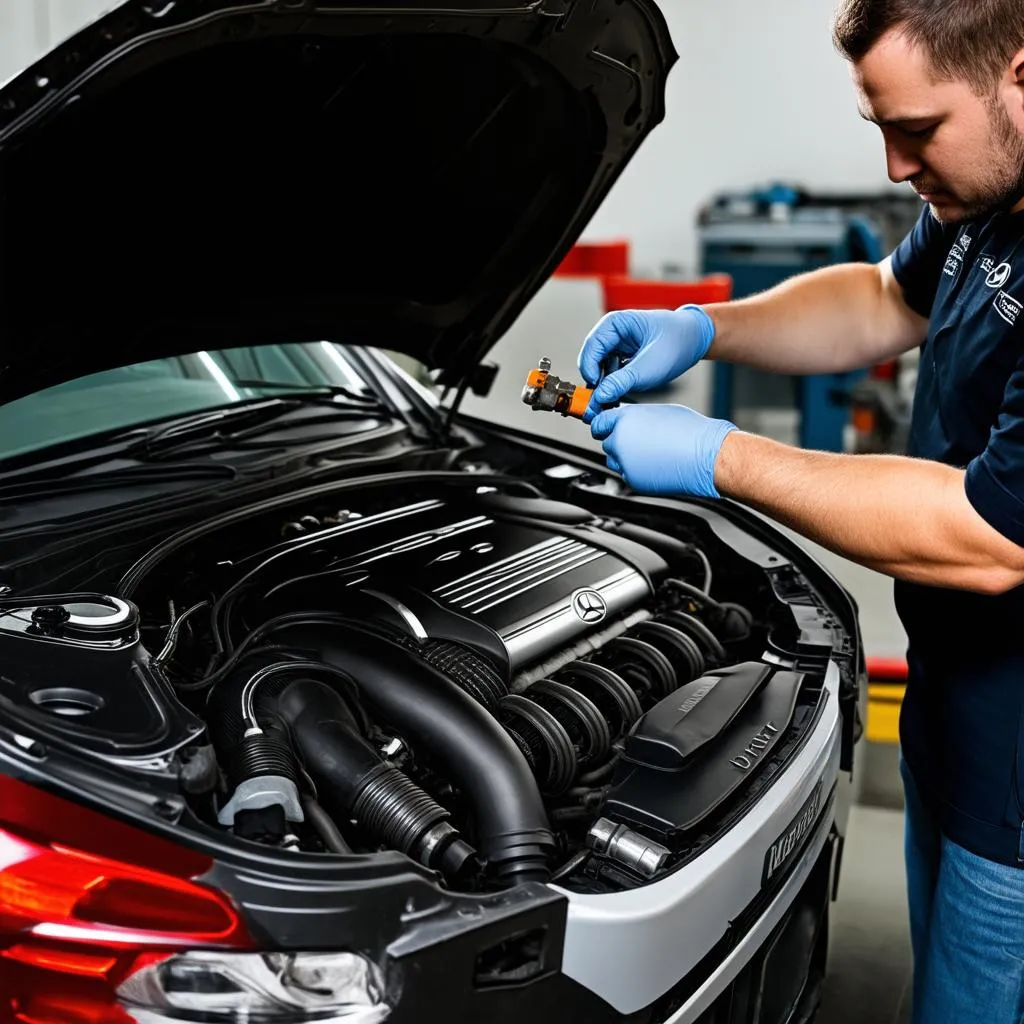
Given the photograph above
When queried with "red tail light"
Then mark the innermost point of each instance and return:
(102, 923)
(79, 915)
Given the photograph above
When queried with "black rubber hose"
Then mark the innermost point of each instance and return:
(512, 825)
(355, 781)
(325, 734)
(543, 740)
(680, 649)
(672, 550)
(613, 696)
(692, 626)
(325, 826)
(730, 621)
(577, 860)
(248, 755)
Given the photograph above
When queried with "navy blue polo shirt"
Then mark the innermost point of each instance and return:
(962, 723)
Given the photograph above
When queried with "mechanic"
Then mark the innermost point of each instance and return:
(944, 80)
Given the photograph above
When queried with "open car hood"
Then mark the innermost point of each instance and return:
(189, 174)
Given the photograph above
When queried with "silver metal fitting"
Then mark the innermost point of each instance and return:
(629, 848)
(263, 791)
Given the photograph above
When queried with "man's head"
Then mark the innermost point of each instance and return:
(944, 79)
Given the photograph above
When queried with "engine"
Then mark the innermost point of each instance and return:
(500, 686)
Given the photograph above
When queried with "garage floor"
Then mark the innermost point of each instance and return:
(869, 960)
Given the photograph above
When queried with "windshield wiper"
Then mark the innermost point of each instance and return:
(223, 427)
(60, 485)
(207, 430)
(313, 390)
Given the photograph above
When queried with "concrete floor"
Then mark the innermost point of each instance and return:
(869, 959)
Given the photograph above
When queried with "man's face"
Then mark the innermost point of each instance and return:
(961, 152)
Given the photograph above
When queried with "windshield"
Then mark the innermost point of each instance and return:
(162, 388)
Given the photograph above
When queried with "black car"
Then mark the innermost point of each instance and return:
(319, 700)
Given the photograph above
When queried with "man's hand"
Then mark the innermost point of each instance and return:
(662, 449)
(660, 344)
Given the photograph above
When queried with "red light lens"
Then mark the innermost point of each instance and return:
(75, 922)
(157, 906)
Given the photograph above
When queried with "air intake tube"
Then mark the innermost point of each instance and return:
(513, 833)
(353, 779)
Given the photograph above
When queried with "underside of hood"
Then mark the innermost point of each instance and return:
(190, 174)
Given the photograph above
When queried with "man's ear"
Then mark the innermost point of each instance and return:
(1017, 76)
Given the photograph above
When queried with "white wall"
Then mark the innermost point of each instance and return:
(28, 28)
(758, 95)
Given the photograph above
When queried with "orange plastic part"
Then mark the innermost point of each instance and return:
(863, 420)
(536, 378)
(580, 401)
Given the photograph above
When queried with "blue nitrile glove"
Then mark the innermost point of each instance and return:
(662, 449)
(659, 343)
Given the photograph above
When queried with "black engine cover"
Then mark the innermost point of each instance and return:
(692, 751)
(453, 568)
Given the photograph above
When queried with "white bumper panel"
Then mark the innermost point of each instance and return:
(630, 948)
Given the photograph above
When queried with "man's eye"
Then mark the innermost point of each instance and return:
(919, 133)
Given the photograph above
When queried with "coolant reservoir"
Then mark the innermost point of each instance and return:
(72, 667)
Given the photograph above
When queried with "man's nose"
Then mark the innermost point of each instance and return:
(901, 165)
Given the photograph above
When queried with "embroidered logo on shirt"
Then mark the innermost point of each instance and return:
(986, 263)
(965, 242)
(1007, 307)
(999, 276)
(954, 261)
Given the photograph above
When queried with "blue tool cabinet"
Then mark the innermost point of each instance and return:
(761, 240)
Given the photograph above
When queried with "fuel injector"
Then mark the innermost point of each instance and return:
(544, 392)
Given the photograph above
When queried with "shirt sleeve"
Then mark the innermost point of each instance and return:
(918, 261)
(995, 479)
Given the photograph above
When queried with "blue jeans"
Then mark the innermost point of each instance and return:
(966, 927)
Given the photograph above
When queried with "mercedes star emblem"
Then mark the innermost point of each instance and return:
(589, 605)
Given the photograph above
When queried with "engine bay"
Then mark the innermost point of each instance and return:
(502, 684)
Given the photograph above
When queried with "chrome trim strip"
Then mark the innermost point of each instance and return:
(447, 589)
(415, 540)
(408, 616)
(349, 563)
(488, 583)
(551, 560)
(539, 578)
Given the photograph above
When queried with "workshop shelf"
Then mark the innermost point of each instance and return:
(596, 259)
(623, 292)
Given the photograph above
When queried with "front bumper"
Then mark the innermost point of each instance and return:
(632, 948)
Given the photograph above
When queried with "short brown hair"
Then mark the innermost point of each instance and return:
(965, 39)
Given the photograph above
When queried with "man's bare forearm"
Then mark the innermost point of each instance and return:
(827, 321)
(905, 517)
